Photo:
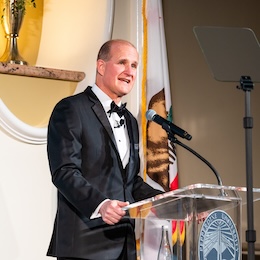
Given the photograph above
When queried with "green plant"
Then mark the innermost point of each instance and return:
(19, 6)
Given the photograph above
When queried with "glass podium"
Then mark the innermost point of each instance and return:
(212, 216)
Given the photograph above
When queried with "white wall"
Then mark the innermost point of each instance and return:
(27, 200)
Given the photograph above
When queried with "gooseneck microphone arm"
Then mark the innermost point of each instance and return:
(173, 139)
(173, 130)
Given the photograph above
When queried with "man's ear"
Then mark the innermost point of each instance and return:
(101, 65)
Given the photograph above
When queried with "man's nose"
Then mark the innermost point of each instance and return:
(130, 70)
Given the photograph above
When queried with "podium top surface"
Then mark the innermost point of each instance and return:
(230, 52)
(179, 204)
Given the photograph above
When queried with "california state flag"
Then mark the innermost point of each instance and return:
(160, 168)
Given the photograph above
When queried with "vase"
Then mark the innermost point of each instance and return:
(12, 20)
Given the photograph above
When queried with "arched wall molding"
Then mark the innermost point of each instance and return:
(18, 129)
(34, 135)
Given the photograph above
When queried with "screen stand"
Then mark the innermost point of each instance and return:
(247, 85)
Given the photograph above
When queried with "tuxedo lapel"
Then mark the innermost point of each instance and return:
(101, 115)
(129, 129)
(132, 132)
(134, 143)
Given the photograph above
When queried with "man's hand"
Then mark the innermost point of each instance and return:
(111, 211)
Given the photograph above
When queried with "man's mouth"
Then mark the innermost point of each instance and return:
(125, 80)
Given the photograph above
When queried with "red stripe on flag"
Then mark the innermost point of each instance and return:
(174, 184)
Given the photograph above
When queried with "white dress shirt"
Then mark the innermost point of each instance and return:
(120, 133)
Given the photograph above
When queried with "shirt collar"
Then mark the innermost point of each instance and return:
(103, 97)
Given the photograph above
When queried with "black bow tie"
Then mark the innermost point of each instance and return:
(119, 110)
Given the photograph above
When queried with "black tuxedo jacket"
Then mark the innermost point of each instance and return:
(86, 169)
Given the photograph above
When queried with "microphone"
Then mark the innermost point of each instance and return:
(173, 129)
(167, 125)
(119, 123)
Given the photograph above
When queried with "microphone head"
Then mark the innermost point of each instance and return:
(150, 114)
(122, 121)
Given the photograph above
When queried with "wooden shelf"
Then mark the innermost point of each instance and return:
(41, 72)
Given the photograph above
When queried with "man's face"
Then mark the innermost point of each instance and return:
(119, 73)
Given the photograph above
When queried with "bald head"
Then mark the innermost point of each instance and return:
(105, 50)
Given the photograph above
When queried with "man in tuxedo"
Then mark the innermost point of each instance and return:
(93, 151)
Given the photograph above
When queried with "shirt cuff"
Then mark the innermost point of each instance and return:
(96, 213)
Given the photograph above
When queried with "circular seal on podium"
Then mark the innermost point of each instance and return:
(218, 238)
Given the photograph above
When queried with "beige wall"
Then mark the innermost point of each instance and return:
(211, 111)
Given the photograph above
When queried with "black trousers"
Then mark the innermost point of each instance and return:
(123, 256)
(128, 252)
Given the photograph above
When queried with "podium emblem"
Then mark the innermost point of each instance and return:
(218, 238)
